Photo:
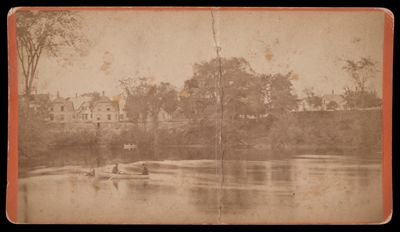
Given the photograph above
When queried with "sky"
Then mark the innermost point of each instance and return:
(164, 45)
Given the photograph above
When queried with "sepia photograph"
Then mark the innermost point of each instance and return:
(204, 115)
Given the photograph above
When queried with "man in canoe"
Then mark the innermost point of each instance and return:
(145, 171)
(92, 172)
(115, 169)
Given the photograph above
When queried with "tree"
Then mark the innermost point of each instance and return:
(242, 90)
(361, 72)
(33, 135)
(145, 99)
(198, 98)
(168, 97)
(162, 96)
(356, 99)
(312, 99)
(221, 94)
(43, 31)
(137, 102)
(240, 87)
(332, 105)
(278, 93)
(280, 101)
(39, 33)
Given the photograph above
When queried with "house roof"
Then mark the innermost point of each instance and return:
(104, 99)
(60, 100)
(78, 101)
(65, 101)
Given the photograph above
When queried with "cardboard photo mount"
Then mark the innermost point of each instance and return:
(12, 177)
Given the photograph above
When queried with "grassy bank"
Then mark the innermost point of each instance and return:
(322, 132)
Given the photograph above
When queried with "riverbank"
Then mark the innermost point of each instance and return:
(322, 132)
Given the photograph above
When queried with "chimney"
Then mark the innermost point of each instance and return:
(103, 93)
(76, 94)
(333, 92)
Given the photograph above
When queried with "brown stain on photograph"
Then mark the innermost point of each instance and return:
(268, 54)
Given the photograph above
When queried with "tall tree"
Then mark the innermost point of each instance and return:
(361, 96)
(280, 101)
(221, 95)
(240, 84)
(361, 72)
(278, 93)
(162, 97)
(40, 32)
(145, 99)
(168, 97)
(137, 101)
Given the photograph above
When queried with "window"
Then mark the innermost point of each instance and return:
(108, 109)
(91, 115)
(109, 116)
(51, 109)
(62, 108)
(51, 117)
(62, 117)
(121, 116)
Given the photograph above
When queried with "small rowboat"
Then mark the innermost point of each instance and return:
(121, 176)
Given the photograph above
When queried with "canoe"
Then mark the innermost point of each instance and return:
(121, 176)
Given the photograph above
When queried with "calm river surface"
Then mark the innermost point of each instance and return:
(300, 189)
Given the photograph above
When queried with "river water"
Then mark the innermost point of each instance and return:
(304, 188)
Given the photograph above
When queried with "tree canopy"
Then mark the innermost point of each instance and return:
(312, 99)
(361, 72)
(40, 32)
(147, 100)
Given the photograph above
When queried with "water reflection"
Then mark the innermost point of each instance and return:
(294, 189)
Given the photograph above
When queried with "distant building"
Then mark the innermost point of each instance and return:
(105, 110)
(61, 110)
(83, 108)
(95, 108)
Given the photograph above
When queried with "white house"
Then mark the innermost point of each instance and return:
(105, 110)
